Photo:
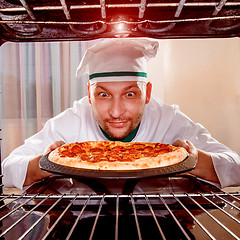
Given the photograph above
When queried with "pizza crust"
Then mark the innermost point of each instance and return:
(176, 155)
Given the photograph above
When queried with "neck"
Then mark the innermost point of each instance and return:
(128, 138)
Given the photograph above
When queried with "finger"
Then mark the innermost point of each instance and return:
(191, 148)
(46, 174)
(48, 149)
(181, 143)
(56, 144)
(53, 146)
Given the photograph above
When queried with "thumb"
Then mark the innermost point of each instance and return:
(53, 146)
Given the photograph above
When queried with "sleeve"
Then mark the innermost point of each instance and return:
(68, 126)
(225, 161)
(64, 126)
(14, 167)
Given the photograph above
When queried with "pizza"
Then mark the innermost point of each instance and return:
(115, 155)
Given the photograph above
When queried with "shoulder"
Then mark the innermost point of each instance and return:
(72, 123)
(157, 104)
(168, 112)
(81, 105)
(78, 109)
(72, 117)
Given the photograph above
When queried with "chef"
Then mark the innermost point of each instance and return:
(119, 106)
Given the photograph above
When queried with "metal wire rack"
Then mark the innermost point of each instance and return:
(97, 216)
(34, 20)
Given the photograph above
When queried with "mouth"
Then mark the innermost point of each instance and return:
(118, 124)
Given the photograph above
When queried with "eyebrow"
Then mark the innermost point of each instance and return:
(99, 87)
(125, 89)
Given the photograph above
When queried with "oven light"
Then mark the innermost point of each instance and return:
(120, 27)
(120, 30)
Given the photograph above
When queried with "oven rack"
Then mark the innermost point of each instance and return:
(104, 216)
(84, 20)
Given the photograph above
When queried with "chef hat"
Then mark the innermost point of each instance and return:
(118, 60)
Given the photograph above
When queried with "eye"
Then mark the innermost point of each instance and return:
(103, 94)
(130, 94)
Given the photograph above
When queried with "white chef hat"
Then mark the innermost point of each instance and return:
(118, 60)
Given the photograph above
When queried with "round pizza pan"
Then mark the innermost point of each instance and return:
(186, 165)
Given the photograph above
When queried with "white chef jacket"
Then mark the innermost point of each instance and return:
(160, 123)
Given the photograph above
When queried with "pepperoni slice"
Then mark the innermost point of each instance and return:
(63, 148)
(77, 149)
(67, 154)
(161, 151)
(119, 149)
(103, 158)
(86, 157)
(97, 150)
(148, 148)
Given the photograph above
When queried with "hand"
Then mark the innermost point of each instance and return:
(204, 167)
(191, 149)
(34, 173)
(53, 146)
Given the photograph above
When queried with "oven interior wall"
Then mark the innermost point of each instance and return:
(202, 76)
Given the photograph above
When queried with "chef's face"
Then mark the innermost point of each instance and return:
(118, 106)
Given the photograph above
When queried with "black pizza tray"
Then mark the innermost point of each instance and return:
(186, 165)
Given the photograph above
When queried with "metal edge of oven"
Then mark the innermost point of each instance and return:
(35, 213)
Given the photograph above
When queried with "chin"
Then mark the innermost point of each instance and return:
(118, 135)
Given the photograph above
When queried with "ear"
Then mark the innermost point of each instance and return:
(148, 92)
(89, 94)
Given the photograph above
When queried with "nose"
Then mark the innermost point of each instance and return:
(116, 109)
